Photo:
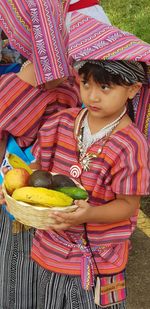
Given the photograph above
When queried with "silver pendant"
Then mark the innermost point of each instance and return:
(85, 162)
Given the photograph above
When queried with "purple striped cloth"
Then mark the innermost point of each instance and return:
(25, 108)
(37, 30)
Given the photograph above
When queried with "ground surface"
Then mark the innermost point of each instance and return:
(138, 270)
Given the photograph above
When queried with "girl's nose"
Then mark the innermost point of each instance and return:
(94, 95)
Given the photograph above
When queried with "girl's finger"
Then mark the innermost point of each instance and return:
(58, 220)
(59, 215)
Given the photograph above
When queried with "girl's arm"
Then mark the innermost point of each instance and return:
(122, 208)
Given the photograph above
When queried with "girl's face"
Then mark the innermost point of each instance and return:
(105, 101)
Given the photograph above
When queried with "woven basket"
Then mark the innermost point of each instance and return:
(34, 216)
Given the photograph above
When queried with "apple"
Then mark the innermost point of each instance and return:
(16, 178)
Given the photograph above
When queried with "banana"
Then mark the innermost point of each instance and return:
(17, 162)
(42, 197)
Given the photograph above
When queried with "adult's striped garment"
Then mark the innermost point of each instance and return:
(25, 108)
(37, 30)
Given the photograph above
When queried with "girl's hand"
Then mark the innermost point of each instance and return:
(67, 220)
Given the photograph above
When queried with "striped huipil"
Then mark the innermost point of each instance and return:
(24, 108)
(37, 30)
(121, 168)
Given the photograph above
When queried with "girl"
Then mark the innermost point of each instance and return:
(83, 256)
(105, 151)
(37, 30)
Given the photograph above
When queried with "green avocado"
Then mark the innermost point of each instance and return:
(41, 178)
(60, 180)
(74, 192)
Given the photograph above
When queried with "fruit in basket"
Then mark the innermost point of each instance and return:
(16, 178)
(41, 178)
(74, 192)
(17, 162)
(60, 180)
(42, 197)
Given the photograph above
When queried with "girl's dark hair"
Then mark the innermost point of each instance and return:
(101, 76)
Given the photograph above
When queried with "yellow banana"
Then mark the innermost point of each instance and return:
(42, 197)
(17, 162)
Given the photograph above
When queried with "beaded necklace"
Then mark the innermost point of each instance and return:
(24, 65)
(85, 157)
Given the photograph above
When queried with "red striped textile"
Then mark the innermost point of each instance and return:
(121, 168)
(81, 4)
(37, 30)
(25, 108)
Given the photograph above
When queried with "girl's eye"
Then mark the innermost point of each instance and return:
(105, 87)
(85, 83)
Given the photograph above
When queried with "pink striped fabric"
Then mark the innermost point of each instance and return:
(121, 168)
(91, 39)
(37, 30)
(25, 108)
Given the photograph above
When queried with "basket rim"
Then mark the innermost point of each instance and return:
(38, 207)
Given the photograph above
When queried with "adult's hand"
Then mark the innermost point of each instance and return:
(2, 200)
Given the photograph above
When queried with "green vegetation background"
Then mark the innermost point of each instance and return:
(130, 15)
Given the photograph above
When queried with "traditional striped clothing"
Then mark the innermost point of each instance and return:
(18, 273)
(37, 30)
(99, 41)
(65, 292)
(121, 168)
(24, 108)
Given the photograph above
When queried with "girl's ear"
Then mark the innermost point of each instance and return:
(134, 89)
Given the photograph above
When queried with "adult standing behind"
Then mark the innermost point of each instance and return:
(40, 36)
(36, 29)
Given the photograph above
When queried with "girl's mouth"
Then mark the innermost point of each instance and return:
(94, 108)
